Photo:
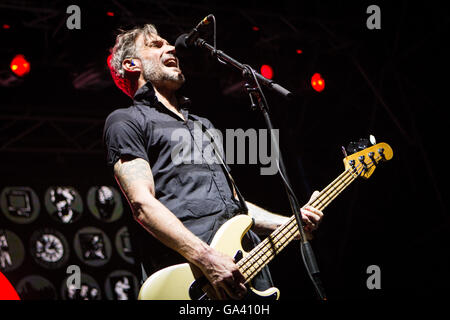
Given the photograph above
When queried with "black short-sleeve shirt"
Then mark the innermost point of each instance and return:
(189, 179)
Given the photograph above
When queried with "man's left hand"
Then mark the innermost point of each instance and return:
(311, 216)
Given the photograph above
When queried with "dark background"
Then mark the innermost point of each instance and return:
(390, 83)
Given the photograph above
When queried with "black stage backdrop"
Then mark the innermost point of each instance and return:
(389, 82)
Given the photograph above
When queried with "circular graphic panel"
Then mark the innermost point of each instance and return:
(92, 246)
(105, 203)
(88, 289)
(35, 287)
(12, 251)
(123, 245)
(121, 285)
(49, 248)
(64, 204)
(20, 204)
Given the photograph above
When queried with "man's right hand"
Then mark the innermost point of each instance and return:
(223, 274)
(136, 181)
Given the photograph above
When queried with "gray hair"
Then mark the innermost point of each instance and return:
(125, 47)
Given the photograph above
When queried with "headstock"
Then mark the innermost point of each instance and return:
(365, 159)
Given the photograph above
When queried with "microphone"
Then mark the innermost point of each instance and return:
(186, 40)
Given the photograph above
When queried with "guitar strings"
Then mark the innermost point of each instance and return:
(290, 225)
(267, 247)
(341, 181)
(287, 229)
(264, 247)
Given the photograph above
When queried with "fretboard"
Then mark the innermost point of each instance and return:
(264, 252)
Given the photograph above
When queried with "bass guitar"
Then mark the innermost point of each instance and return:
(186, 282)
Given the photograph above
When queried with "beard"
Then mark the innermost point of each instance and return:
(157, 74)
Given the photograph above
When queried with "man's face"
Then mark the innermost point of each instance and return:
(159, 63)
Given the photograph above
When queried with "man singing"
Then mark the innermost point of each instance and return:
(180, 206)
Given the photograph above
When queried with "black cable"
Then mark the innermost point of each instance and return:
(305, 246)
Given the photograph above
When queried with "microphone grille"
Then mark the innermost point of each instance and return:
(181, 44)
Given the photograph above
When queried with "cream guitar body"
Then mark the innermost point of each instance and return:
(185, 282)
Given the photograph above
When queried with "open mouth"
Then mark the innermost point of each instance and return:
(171, 62)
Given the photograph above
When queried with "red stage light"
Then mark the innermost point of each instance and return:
(255, 28)
(19, 65)
(7, 291)
(6, 26)
(266, 71)
(110, 13)
(317, 82)
(299, 51)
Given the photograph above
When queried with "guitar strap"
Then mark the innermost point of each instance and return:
(217, 153)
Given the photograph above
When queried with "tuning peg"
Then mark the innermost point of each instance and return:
(372, 157)
(381, 153)
(344, 151)
(352, 165)
(372, 139)
(361, 160)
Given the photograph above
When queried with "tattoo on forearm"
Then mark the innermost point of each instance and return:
(129, 172)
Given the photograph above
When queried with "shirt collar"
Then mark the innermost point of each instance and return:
(146, 95)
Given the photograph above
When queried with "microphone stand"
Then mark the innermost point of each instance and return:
(255, 92)
(220, 55)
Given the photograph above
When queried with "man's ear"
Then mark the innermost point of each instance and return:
(132, 65)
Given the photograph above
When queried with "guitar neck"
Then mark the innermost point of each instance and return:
(264, 252)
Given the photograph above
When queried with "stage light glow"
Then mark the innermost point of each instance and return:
(20, 65)
(108, 60)
(267, 71)
(317, 82)
(6, 26)
(299, 51)
(110, 14)
(255, 28)
(7, 291)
